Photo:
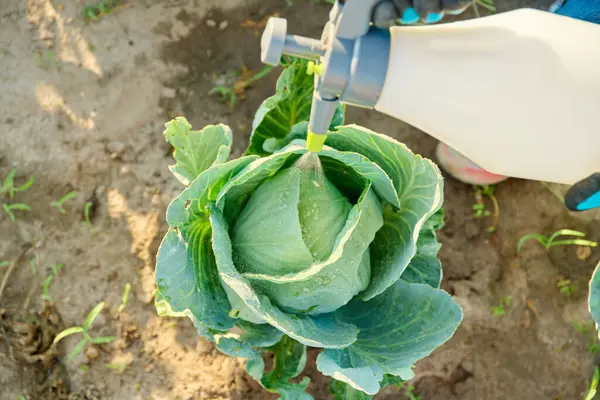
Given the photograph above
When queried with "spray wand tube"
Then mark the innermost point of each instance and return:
(349, 62)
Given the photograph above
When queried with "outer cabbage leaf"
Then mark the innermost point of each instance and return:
(196, 151)
(594, 296)
(247, 341)
(319, 331)
(289, 362)
(187, 277)
(163, 308)
(397, 328)
(419, 186)
(426, 267)
(291, 104)
(370, 171)
(194, 199)
(289, 358)
(186, 273)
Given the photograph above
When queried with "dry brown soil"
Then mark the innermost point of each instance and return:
(82, 107)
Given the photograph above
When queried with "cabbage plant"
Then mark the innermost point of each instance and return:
(281, 249)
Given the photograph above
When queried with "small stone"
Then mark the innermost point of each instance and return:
(583, 252)
(223, 25)
(92, 353)
(116, 147)
(211, 23)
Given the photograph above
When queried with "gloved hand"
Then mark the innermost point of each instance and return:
(585, 194)
(389, 12)
(586, 10)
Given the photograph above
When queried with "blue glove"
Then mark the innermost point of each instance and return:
(585, 194)
(390, 12)
(586, 10)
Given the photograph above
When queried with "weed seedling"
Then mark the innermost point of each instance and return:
(96, 11)
(499, 310)
(48, 281)
(8, 187)
(86, 213)
(487, 4)
(551, 241)
(120, 368)
(4, 264)
(230, 94)
(33, 265)
(479, 206)
(58, 204)
(410, 393)
(46, 59)
(566, 287)
(586, 328)
(8, 191)
(84, 330)
(8, 209)
(593, 385)
(125, 297)
(582, 327)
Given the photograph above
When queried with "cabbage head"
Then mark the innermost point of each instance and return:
(281, 249)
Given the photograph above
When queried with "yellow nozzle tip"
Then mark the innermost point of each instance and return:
(314, 143)
(313, 68)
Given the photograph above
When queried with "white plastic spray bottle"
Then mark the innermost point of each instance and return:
(523, 99)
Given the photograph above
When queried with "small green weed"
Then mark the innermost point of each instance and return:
(4, 264)
(48, 281)
(96, 11)
(33, 264)
(46, 59)
(8, 187)
(86, 213)
(487, 4)
(551, 241)
(8, 191)
(58, 204)
(480, 211)
(230, 94)
(582, 327)
(8, 209)
(126, 292)
(566, 287)
(479, 207)
(119, 368)
(409, 391)
(587, 328)
(593, 385)
(84, 330)
(499, 310)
